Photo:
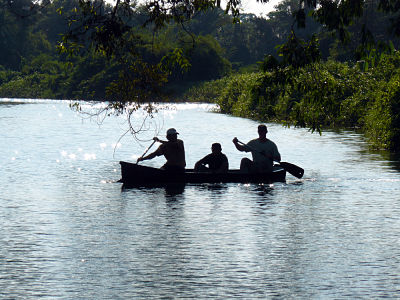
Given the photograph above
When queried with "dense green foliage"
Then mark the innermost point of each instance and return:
(320, 95)
(209, 47)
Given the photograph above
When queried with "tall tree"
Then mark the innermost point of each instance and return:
(17, 40)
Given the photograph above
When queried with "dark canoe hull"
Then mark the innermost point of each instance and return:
(134, 174)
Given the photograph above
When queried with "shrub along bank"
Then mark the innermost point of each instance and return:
(321, 95)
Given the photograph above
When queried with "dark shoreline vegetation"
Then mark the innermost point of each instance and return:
(318, 96)
(325, 95)
(319, 84)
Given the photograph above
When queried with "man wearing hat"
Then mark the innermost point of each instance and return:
(173, 150)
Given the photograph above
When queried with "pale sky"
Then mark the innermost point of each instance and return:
(250, 6)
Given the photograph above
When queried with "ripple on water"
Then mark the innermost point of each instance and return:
(70, 231)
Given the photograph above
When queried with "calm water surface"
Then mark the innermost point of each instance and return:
(69, 231)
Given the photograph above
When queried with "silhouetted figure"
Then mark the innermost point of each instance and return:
(173, 150)
(215, 162)
(263, 151)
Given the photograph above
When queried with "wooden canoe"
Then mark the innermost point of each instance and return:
(134, 174)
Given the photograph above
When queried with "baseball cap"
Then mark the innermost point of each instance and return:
(172, 131)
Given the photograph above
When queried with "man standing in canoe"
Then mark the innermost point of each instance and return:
(263, 151)
(173, 150)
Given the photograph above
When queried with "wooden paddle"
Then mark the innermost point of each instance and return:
(147, 150)
(296, 171)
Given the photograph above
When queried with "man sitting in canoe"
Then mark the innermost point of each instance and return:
(173, 150)
(263, 151)
(217, 161)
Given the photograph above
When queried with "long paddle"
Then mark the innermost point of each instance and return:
(147, 150)
(296, 171)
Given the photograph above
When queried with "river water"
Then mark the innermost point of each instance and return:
(69, 231)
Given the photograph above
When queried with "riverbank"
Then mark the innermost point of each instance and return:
(322, 95)
(318, 96)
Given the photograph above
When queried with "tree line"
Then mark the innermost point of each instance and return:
(208, 46)
(35, 61)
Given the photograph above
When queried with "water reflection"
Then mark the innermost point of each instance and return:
(214, 188)
(8, 104)
(172, 190)
(264, 189)
(393, 160)
(169, 189)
